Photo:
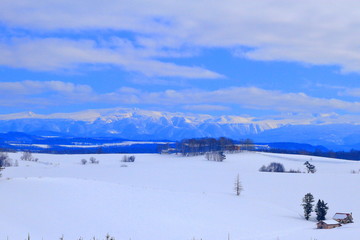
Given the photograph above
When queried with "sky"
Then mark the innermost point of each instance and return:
(263, 58)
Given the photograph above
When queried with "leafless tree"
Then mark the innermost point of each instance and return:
(238, 186)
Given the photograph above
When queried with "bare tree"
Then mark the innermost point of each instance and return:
(215, 156)
(27, 156)
(238, 186)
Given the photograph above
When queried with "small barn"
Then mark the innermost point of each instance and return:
(343, 217)
(328, 224)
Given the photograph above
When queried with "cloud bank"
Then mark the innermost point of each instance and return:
(322, 32)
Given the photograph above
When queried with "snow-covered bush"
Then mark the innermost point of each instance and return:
(5, 161)
(128, 158)
(83, 161)
(93, 160)
(273, 167)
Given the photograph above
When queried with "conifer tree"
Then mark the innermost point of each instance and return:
(308, 205)
(321, 210)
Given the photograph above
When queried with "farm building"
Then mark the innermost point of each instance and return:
(328, 224)
(343, 217)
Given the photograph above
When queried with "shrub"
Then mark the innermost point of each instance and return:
(5, 161)
(215, 156)
(128, 158)
(273, 167)
(93, 160)
(27, 156)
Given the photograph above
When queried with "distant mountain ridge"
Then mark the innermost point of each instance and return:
(139, 124)
(133, 124)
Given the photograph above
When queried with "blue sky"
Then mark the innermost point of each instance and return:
(264, 58)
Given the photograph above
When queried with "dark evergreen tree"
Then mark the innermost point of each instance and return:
(321, 210)
(308, 205)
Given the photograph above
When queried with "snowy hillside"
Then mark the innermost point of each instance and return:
(163, 197)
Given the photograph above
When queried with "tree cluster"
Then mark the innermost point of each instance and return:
(320, 209)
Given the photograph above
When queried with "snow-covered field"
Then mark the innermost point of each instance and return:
(165, 197)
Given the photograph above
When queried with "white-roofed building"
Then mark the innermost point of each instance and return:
(343, 217)
(328, 224)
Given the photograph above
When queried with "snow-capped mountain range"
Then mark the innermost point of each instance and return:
(138, 124)
(134, 124)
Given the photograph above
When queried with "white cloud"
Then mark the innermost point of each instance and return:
(39, 94)
(29, 87)
(315, 32)
(51, 54)
(353, 92)
(206, 107)
(49, 93)
(244, 97)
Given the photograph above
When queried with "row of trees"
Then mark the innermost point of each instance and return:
(321, 207)
(278, 167)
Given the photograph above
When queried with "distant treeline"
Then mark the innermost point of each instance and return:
(135, 148)
(199, 146)
(350, 155)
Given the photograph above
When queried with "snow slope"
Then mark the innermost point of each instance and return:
(163, 197)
